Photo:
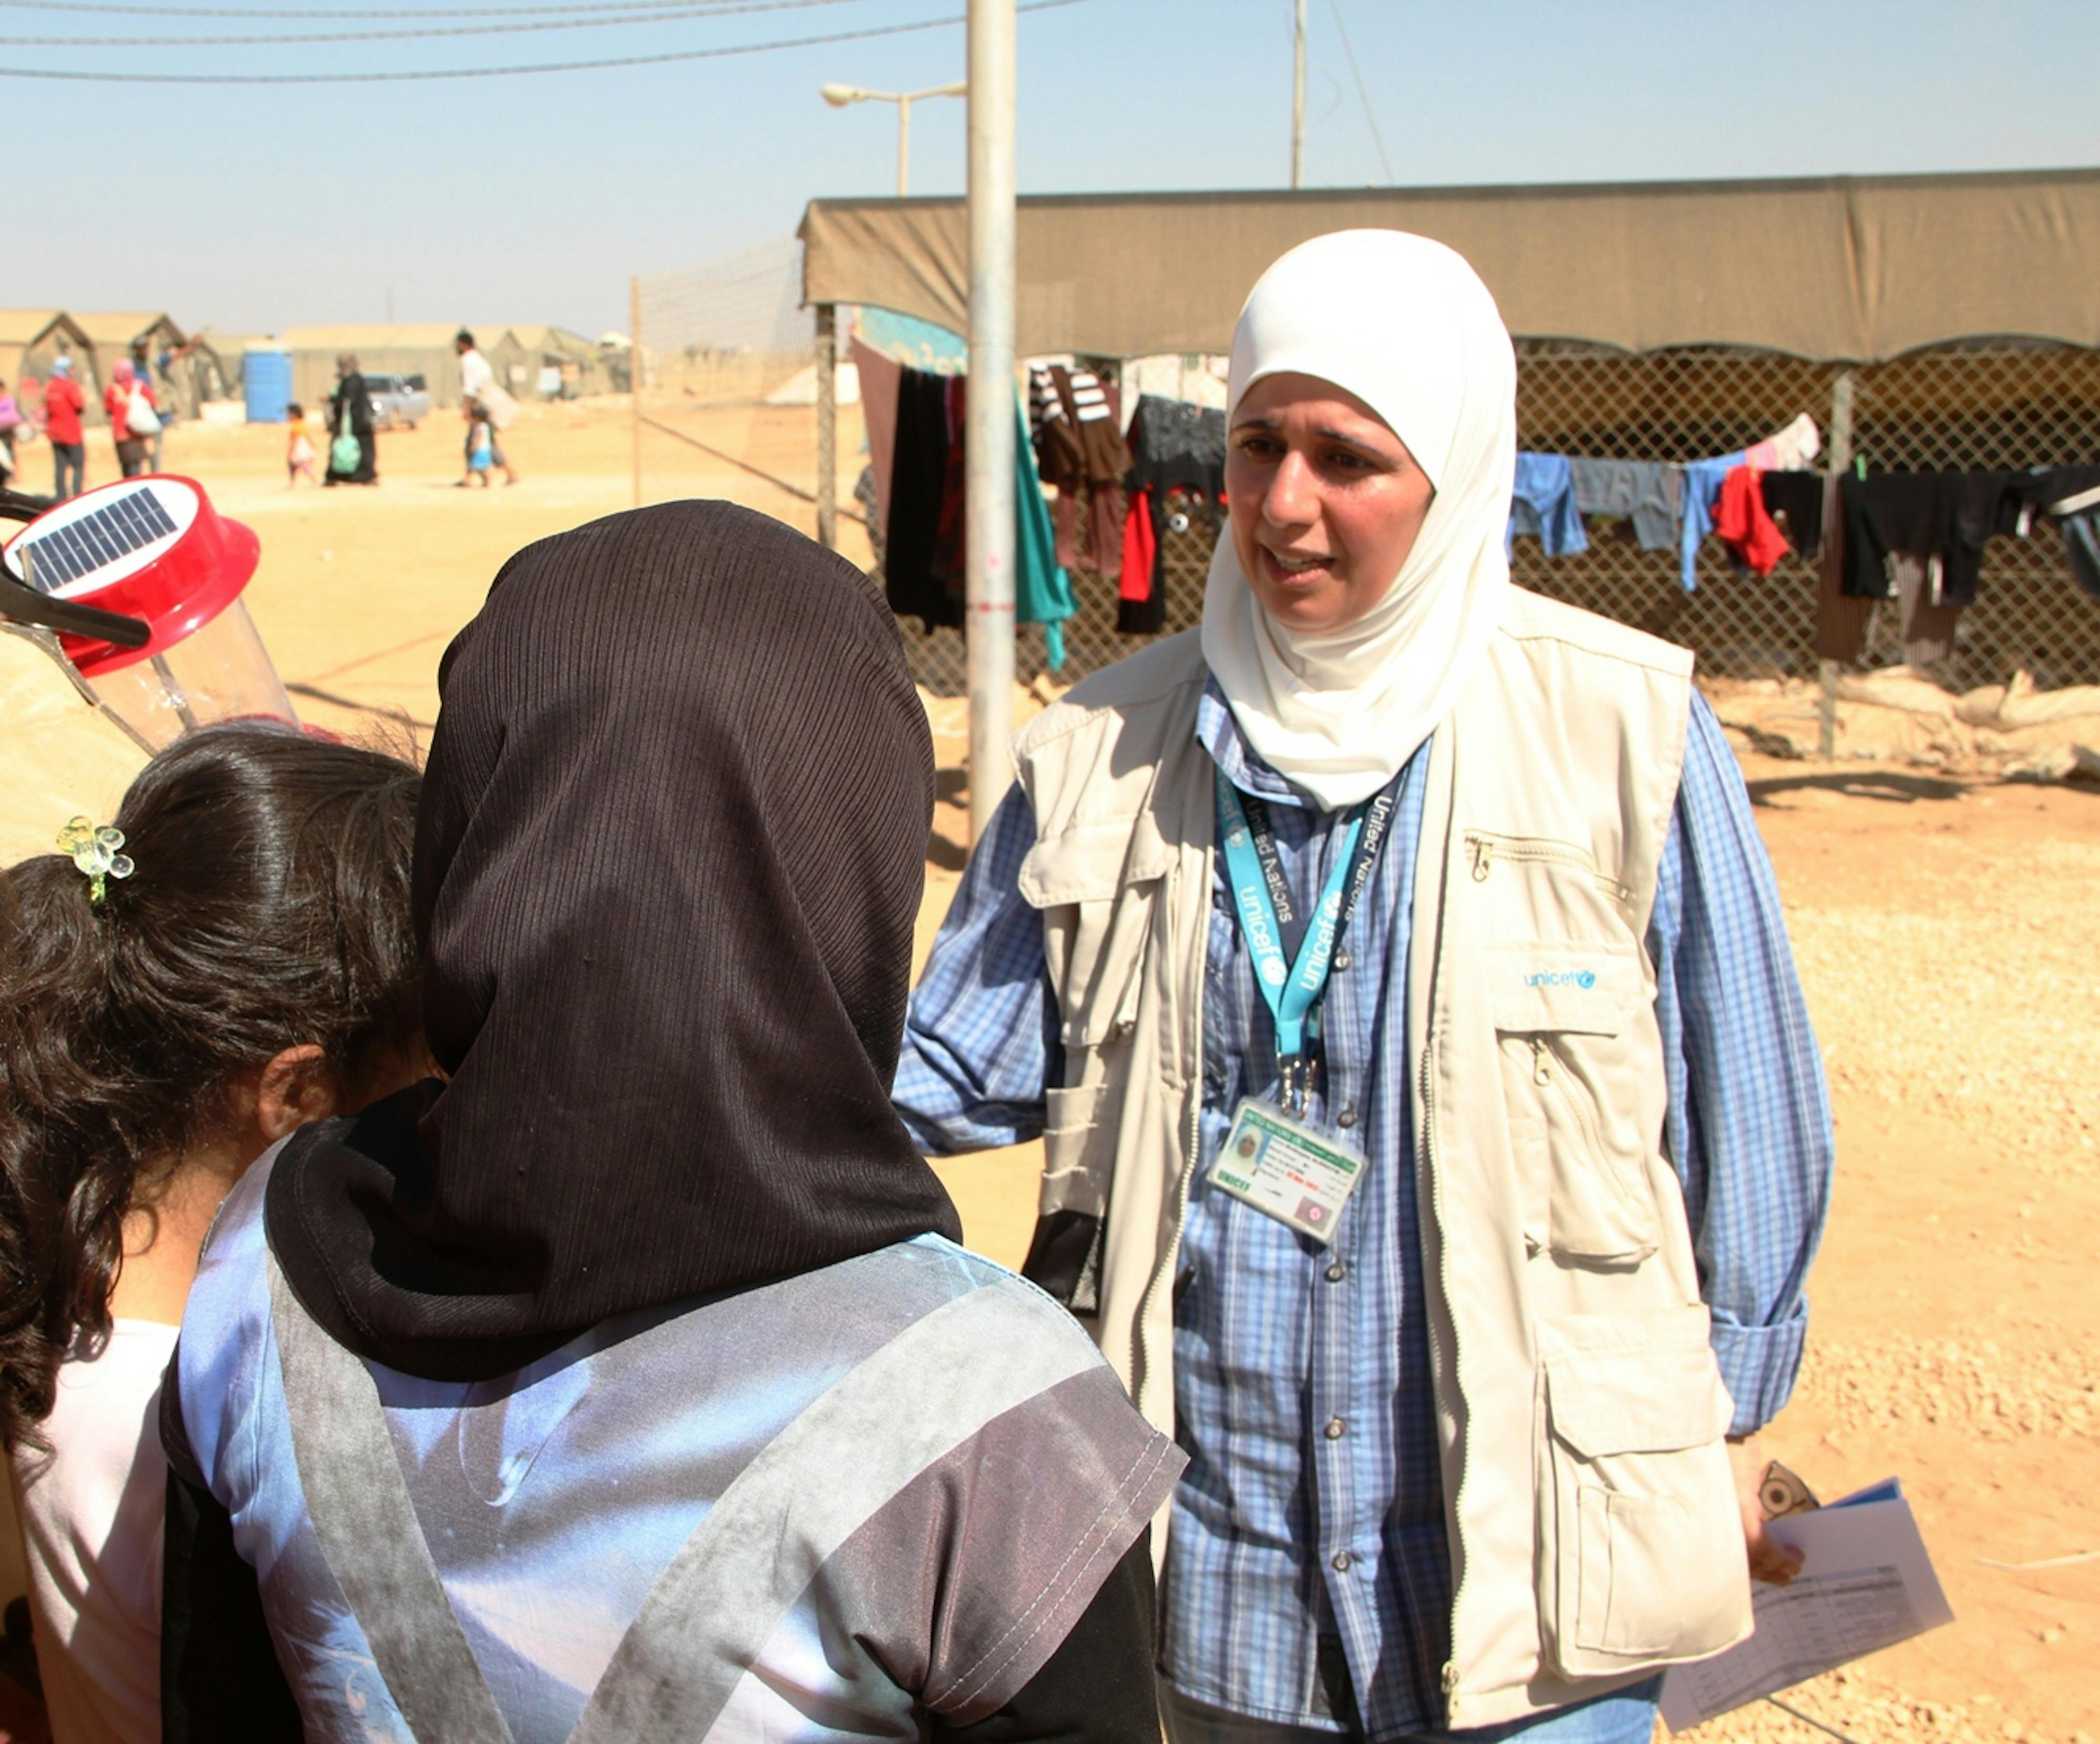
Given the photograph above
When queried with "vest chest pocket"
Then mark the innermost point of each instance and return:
(1097, 885)
(1560, 1014)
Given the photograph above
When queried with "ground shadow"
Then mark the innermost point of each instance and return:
(1896, 788)
(950, 856)
(1883, 784)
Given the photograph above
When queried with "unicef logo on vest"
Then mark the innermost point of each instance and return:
(1584, 979)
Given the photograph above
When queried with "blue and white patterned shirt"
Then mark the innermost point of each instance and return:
(1308, 1535)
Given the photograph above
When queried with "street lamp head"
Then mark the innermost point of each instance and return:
(840, 96)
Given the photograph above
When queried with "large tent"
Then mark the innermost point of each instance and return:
(1855, 268)
(576, 361)
(414, 348)
(30, 338)
(112, 334)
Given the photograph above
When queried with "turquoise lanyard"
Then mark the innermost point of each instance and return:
(1292, 988)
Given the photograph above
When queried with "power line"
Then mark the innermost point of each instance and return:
(663, 15)
(339, 17)
(1363, 96)
(74, 76)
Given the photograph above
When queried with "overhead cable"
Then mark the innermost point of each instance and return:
(1363, 96)
(75, 76)
(339, 16)
(652, 17)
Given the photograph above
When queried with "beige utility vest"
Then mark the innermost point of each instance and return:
(1593, 1523)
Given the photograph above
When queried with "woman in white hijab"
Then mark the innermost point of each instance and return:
(1435, 1139)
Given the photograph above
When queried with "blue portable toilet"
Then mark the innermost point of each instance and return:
(265, 378)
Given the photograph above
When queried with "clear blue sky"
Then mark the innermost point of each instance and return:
(534, 198)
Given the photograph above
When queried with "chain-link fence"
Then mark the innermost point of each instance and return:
(723, 350)
(1994, 403)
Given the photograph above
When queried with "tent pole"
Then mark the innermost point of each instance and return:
(989, 436)
(827, 426)
(1841, 457)
(634, 381)
(1298, 103)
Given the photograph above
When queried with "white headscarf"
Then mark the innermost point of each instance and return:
(1406, 326)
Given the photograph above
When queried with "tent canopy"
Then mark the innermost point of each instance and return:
(422, 348)
(114, 333)
(1853, 268)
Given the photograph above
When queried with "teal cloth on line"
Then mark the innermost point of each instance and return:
(1042, 590)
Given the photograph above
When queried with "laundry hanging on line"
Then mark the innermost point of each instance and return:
(1177, 464)
(1076, 421)
(925, 527)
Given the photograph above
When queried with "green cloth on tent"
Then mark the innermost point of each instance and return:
(1042, 590)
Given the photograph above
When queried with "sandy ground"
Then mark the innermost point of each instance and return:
(1946, 932)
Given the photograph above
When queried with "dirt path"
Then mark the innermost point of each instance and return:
(1948, 938)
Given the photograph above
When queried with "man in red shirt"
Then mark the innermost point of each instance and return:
(63, 402)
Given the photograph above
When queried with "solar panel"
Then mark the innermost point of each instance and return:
(65, 555)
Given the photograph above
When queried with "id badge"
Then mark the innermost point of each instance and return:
(1286, 1170)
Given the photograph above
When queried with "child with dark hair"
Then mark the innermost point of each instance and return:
(480, 444)
(232, 959)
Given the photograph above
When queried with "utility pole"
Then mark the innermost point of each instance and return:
(1298, 103)
(989, 436)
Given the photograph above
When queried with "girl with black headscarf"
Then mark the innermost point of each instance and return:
(628, 1383)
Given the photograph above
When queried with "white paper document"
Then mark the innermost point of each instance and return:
(1865, 1583)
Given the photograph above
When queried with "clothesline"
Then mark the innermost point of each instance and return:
(1119, 486)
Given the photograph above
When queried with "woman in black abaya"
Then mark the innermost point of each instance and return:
(350, 412)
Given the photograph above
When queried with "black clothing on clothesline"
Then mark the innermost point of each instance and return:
(1949, 515)
(1174, 445)
(1797, 497)
(918, 486)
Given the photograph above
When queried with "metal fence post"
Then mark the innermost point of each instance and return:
(827, 426)
(634, 380)
(989, 437)
(1841, 457)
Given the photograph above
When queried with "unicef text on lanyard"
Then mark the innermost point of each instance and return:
(1271, 1159)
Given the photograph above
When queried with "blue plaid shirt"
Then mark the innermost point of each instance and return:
(1309, 1565)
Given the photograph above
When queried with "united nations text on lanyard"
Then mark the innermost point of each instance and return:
(1272, 1159)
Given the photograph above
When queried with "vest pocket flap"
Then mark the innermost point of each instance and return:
(1648, 1384)
(1536, 987)
(1092, 862)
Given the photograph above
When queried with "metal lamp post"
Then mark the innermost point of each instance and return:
(840, 96)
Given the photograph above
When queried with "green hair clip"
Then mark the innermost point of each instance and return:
(94, 851)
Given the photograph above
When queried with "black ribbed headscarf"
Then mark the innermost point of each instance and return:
(668, 862)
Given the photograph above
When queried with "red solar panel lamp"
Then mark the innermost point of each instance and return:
(141, 580)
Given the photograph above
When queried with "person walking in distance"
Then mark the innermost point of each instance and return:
(11, 427)
(299, 447)
(64, 402)
(134, 419)
(1435, 1137)
(157, 383)
(353, 449)
(477, 386)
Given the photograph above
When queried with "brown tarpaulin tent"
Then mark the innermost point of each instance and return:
(1857, 269)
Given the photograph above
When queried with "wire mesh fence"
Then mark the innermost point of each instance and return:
(725, 398)
(716, 345)
(1996, 403)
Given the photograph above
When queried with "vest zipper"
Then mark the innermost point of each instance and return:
(1425, 1087)
(1484, 852)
